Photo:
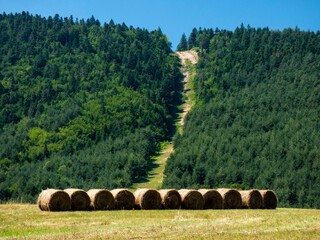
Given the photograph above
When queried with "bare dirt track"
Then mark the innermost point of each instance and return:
(190, 55)
(187, 57)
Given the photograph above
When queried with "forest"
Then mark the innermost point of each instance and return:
(256, 119)
(82, 104)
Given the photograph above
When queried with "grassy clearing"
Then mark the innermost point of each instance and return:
(28, 222)
(155, 176)
(193, 71)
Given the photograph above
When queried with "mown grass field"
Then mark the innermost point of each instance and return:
(23, 221)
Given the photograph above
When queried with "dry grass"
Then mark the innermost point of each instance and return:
(101, 199)
(231, 198)
(80, 201)
(54, 200)
(191, 199)
(269, 199)
(251, 199)
(124, 199)
(212, 199)
(28, 222)
(147, 199)
(170, 198)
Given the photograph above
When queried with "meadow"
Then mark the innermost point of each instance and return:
(26, 221)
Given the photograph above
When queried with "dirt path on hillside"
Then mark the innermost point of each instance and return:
(155, 175)
(190, 55)
(186, 58)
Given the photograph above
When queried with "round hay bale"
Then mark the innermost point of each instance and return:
(269, 199)
(101, 199)
(54, 200)
(251, 199)
(80, 200)
(212, 199)
(147, 199)
(191, 199)
(39, 201)
(170, 198)
(231, 198)
(124, 199)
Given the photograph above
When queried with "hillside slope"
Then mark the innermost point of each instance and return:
(256, 120)
(81, 104)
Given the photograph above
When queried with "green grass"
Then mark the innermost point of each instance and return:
(191, 95)
(155, 175)
(18, 221)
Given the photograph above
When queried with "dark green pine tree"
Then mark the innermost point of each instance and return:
(192, 41)
(183, 45)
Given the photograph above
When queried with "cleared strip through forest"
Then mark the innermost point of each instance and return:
(155, 175)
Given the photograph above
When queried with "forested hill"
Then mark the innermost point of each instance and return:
(256, 123)
(81, 104)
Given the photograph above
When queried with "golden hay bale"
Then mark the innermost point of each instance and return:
(231, 198)
(147, 199)
(80, 200)
(269, 199)
(101, 199)
(124, 199)
(212, 199)
(251, 199)
(170, 198)
(54, 200)
(191, 199)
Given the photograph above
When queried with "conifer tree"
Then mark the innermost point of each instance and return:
(192, 41)
(182, 46)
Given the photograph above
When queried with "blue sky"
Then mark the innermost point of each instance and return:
(175, 17)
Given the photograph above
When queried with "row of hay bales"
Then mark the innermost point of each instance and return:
(123, 199)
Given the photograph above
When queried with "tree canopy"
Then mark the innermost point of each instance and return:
(256, 120)
(82, 104)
